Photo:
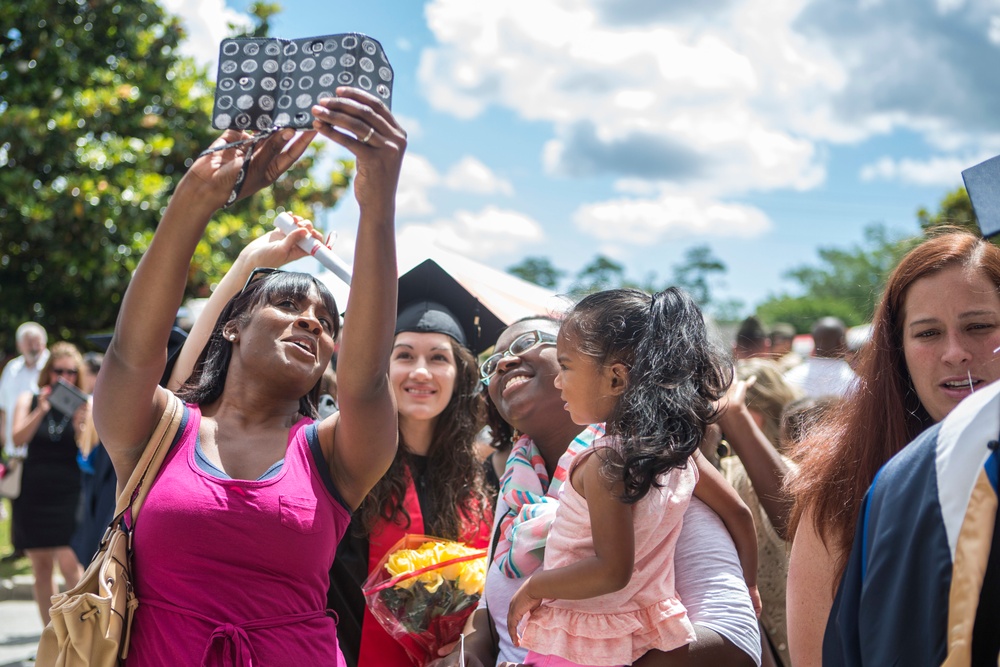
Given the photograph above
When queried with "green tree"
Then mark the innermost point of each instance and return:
(602, 273)
(537, 270)
(955, 209)
(99, 118)
(696, 270)
(802, 311)
(847, 283)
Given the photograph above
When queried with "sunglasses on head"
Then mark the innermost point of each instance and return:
(257, 274)
(526, 342)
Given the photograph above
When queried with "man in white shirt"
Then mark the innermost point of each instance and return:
(21, 375)
(825, 373)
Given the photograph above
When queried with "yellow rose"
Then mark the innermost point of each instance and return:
(472, 576)
(451, 552)
(424, 558)
(402, 562)
(431, 581)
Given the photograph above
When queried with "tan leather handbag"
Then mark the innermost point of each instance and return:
(91, 623)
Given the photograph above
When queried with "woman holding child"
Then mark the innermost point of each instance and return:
(523, 396)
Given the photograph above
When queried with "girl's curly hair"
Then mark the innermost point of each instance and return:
(675, 376)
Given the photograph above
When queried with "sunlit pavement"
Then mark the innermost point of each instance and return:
(20, 628)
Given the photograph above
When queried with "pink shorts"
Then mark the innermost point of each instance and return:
(539, 660)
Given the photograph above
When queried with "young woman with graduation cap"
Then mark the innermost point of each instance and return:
(435, 485)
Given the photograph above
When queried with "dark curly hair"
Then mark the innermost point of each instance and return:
(455, 476)
(209, 375)
(675, 376)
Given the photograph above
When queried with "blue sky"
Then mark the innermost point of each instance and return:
(640, 128)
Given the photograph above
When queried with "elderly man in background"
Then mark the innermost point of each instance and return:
(19, 376)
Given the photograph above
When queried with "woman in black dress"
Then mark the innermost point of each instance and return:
(45, 512)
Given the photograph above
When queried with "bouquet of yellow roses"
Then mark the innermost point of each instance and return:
(422, 591)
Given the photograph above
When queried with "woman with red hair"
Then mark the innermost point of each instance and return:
(933, 339)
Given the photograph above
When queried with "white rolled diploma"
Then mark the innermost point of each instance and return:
(311, 245)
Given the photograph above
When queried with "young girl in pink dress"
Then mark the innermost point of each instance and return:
(606, 595)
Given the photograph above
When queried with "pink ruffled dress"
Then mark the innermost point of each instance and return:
(620, 627)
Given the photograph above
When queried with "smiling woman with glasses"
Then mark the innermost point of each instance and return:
(255, 484)
(524, 343)
(45, 513)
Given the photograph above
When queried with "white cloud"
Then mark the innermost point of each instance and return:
(727, 97)
(412, 126)
(648, 221)
(942, 171)
(419, 178)
(614, 251)
(948, 6)
(489, 232)
(416, 178)
(994, 32)
(206, 24)
(663, 101)
(471, 175)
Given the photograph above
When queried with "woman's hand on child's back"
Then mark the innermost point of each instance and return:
(520, 605)
(755, 598)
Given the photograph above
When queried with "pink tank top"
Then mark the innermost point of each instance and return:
(235, 572)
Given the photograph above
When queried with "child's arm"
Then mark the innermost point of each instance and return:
(713, 490)
(273, 249)
(609, 570)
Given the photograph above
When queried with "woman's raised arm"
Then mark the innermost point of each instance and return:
(363, 435)
(126, 402)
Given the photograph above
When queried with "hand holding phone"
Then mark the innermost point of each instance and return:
(66, 398)
(267, 82)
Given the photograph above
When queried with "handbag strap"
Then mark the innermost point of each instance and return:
(134, 493)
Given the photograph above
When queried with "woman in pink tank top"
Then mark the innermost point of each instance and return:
(241, 525)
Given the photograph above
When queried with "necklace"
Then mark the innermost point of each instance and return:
(56, 430)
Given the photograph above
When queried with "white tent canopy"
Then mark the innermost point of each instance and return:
(509, 297)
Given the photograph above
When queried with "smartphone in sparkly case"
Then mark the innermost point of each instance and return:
(267, 82)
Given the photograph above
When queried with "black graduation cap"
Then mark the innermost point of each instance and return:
(174, 345)
(431, 300)
(982, 182)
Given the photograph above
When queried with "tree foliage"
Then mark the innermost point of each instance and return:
(847, 283)
(698, 273)
(694, 273)
(954, 210)
(537, 270)
(99, 118)
(601, 273)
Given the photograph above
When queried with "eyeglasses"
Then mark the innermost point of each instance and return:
(64, 371)
(526, 342)
(257, 274)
